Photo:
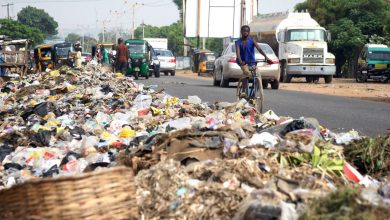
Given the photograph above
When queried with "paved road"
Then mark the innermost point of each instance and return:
(336, 113)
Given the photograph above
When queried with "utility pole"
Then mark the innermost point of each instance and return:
(242, 22)
(143, 29)
(184, 29)
(134, 5)
(7, 5)
(198, 34)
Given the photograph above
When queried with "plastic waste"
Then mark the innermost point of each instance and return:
(265, 139)
(177, 124)
(296, 125)
(4, 151)
(346, 138)
(127, 132)
(142, 101)
(195, 100)
(271, 115)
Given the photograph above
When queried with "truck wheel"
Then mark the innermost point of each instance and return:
(309, 79)
(275, 84)
(286, 78)
(173, 73)
(281, 72)
(265, 84)
(328, 79)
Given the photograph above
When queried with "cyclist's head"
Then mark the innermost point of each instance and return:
(245, 30)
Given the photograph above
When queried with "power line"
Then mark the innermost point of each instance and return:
(7, 5)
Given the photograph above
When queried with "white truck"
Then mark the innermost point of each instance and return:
(160, 43)
(301, 44)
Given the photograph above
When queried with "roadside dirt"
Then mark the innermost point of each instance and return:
(372, 91)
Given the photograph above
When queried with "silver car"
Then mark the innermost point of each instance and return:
(167, 61)
(226, 69)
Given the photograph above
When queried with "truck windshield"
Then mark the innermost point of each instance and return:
(136, 48)
(379, 55)
(306, 35)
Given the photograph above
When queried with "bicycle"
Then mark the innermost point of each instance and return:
(253, 92)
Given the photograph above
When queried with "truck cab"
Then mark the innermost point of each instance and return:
(303, 49)
(301, 43)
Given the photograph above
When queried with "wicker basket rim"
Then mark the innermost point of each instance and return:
(70, 178)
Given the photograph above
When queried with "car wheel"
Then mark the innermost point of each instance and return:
(275, 84)
(157, 73)
(224, 82)
(215, 81)
(328, 79)
(166, 73)
(173, 73)
(265, 84)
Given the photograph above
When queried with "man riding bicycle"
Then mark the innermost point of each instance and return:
(245, 51)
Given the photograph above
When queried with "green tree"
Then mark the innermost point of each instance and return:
(173, 32)
(86, 41)
(179, 5)
(16, 30)
(352, 24)
(38, 18)
(215, 44)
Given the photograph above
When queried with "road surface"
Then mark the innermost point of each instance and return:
(336, 113)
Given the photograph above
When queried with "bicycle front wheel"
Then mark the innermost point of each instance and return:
(259, 95)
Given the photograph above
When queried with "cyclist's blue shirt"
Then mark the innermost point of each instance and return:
(247, 53)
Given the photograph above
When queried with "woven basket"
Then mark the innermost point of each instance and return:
(106, 194)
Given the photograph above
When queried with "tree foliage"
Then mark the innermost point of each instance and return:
(87, 42)
(16, 30)
(38, 18)
(174, 34)
(352, 24)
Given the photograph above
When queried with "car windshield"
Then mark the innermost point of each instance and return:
(267, 49)
(379, 55)
(63, 51)
(306, 35)
(164, 53)
(136, 48)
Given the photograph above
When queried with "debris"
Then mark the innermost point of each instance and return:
(192, 160)
(370, 155)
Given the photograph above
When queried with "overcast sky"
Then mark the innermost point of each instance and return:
(88, 15)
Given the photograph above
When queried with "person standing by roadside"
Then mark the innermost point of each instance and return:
(77, 58)
(122, 57)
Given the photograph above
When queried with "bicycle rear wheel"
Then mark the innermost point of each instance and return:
(258, 98)
(240, 89)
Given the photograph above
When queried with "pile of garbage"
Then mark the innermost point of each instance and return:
(192, 159)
